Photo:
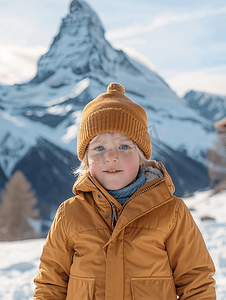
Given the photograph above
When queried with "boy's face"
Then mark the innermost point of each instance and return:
(113, 160)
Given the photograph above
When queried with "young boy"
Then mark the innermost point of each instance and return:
(124, 235)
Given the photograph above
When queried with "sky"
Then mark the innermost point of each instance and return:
(184, 41)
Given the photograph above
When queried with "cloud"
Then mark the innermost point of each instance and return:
(161, 21)
(18, 63)
(209, 80)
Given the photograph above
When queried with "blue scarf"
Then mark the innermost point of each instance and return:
(122, 195)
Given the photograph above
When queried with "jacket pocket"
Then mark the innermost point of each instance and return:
(80, 288)
(153, 288)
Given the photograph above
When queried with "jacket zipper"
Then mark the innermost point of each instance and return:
(141, 192)
(114, 218)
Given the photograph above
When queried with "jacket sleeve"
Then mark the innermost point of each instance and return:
(189, 258)
(56, 259)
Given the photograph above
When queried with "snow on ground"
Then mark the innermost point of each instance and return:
(18, 266)
(208, 206)
(19, 260)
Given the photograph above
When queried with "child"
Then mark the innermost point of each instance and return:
(124, 235)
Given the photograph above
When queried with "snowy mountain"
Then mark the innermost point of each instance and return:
(39, 120)
(213, 107)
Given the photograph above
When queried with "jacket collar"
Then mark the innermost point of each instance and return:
(151, 195)
(168, 180)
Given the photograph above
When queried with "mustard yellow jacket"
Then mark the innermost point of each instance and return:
(148, 249)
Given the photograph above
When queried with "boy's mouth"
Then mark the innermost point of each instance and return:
(112, 171)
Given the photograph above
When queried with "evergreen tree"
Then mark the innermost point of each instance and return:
(216, 163)
(17, 209)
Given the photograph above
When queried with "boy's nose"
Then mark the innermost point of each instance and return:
(111, 156)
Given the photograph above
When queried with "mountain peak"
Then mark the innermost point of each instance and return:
(72, 46)
(81, 46)
(210, 106)
(80, 6)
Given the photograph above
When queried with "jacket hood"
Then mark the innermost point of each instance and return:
(83, 184)
(159, 165)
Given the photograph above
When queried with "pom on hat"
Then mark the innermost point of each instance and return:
(114, 112)
(116, 87)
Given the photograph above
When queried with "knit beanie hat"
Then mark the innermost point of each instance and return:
(114, 112)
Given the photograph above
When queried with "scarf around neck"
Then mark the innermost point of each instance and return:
(122, 195)
(147, 174)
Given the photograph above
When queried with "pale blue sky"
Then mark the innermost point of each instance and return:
(183, 41)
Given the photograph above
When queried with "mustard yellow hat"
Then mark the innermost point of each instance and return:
(114, 112)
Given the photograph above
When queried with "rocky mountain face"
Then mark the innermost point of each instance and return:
(39, 120)
(212, 107)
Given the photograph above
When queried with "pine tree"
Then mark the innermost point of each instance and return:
(216, 163)
(16, 209)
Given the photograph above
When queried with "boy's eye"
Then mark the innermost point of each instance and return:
(99, 148)
(123, 147)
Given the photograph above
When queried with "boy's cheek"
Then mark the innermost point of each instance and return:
(94, 167)
(131, 164)
(96, 159)
(131, 160)
(131, 171)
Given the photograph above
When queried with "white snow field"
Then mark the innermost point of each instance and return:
(19, 260)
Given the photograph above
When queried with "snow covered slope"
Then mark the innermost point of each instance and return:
(39, 120)
(19, 260)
